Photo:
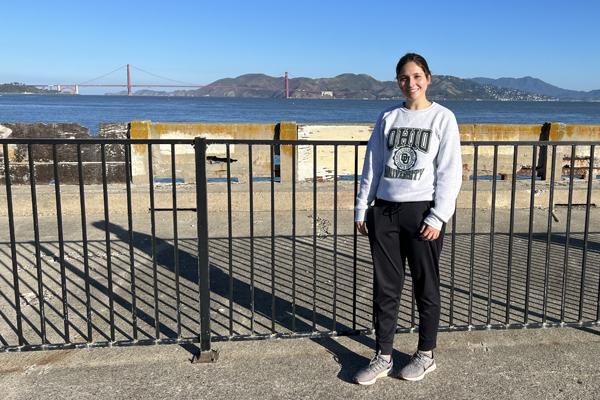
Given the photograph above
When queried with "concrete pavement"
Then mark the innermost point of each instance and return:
(556, 363)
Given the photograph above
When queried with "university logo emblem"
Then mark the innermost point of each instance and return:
(405, 158)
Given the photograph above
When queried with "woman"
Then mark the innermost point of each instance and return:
(412, 174)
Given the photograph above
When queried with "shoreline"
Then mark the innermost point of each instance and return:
(299, 98)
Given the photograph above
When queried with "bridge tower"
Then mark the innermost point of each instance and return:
(129, 92)
(287, 87)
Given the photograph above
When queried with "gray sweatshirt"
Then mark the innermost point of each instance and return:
(413, 155)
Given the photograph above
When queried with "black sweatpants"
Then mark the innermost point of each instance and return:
(394, 238)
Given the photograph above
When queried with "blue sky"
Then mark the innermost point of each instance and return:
(201, 41)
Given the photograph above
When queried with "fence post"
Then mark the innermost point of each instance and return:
(543, 166)
(206, 354)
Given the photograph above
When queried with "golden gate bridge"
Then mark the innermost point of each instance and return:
(74, 87)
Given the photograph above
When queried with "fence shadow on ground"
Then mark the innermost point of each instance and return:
(298, 286)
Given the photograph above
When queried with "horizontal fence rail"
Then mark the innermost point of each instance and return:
(246, 239)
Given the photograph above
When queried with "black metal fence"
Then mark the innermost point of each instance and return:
(241, 255)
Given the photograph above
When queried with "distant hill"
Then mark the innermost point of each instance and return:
(446, 87)
(537, 86)
(20, 88)
(362, 86)
(351, 86)
(142, 92)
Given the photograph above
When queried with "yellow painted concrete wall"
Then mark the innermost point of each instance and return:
(346, 154)
(185, 161)
(468, 132)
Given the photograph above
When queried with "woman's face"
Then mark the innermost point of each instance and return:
(413, 81)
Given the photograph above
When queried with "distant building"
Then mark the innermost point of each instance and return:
(327, 93)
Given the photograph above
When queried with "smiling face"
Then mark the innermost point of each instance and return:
(413, 83)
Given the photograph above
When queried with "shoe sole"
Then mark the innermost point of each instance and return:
(418, 378)
(372, 381)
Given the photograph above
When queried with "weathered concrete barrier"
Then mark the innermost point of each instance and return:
(216, 154)
(43, 156)
(468, 132)
(217, 162)
(239, 162)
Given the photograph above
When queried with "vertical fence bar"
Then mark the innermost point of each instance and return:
(153, 239)
(202, 227)
(452, 270)
(61, 246)
(492, 237)
(511, 232)
(586, 230)
(273, 310)
(251, 206)
(598, 303)
(111, 303)
(549, 236)
(354, 242)
(314, 299)
(473, 228)
(36, 236)
(294, 149)
(530, 237)
(84, 239)
(130, 238)
(13, 248)
(335, 238)
(175, 239)
(412, 309)
(565, 280)
(229, 237)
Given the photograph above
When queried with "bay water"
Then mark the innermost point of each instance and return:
(90, 111)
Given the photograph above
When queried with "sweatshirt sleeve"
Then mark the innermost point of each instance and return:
(371, 173)
(448, 175)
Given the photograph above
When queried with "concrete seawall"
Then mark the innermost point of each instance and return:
(239, 164)
(352, 132)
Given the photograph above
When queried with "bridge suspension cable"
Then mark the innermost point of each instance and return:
(163, 77)
(102, 76)
(129, 85)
